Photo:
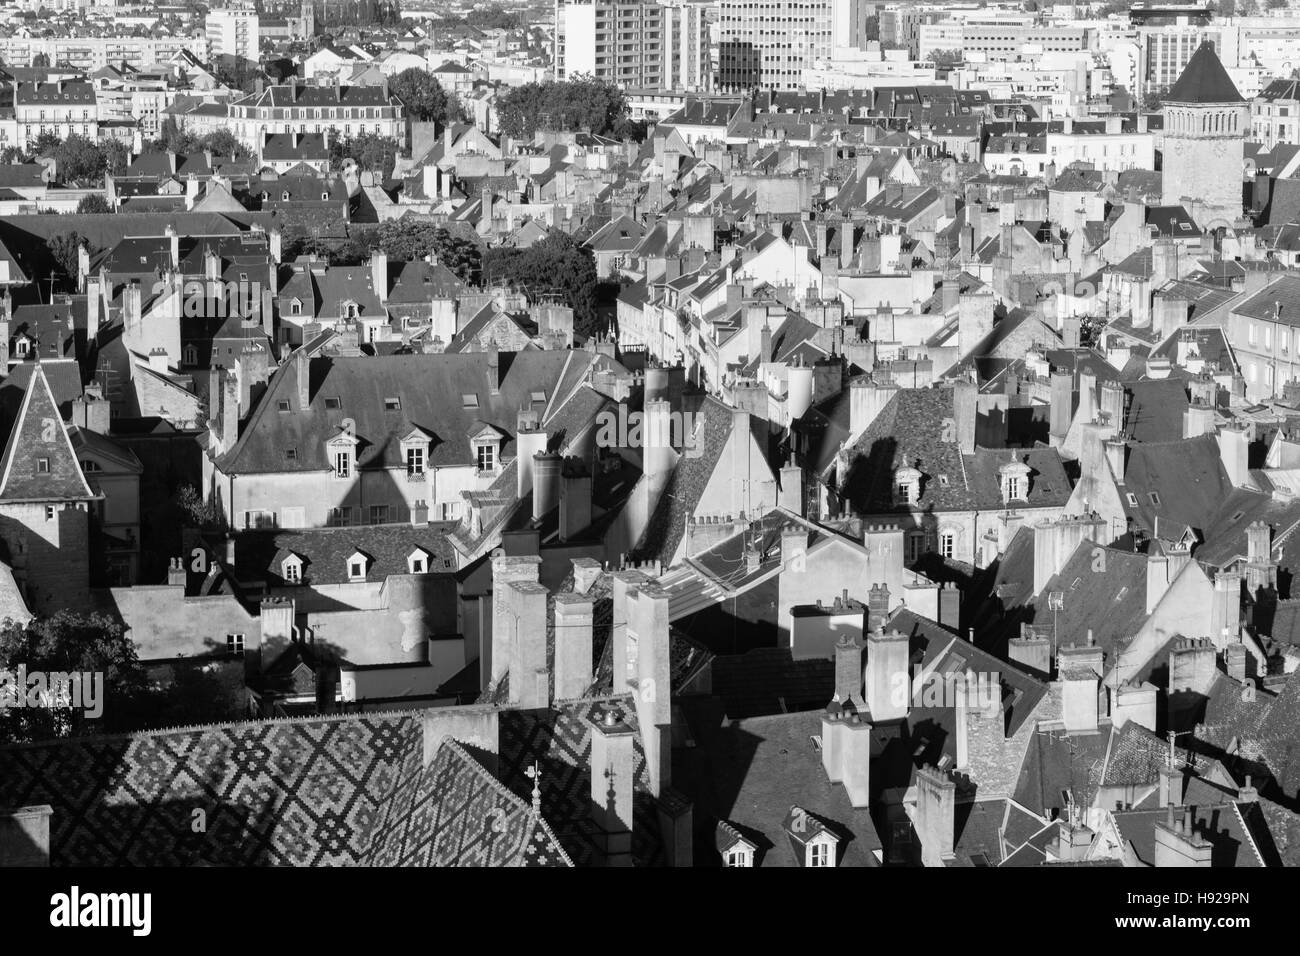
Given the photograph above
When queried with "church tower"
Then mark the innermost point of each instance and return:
(1204, 141)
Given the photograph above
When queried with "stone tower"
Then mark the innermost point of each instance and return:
(44, 506)
(1204, 141)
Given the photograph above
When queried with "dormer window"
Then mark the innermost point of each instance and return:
(191, 355)
(291, 569)
(907, 486)
(357, 565)
(342, 452)
(486, 457)
(1013, 477)
(417, 562)
(22, 347)
(295, 307)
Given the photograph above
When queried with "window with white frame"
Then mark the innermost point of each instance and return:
(819, 854)
(947, 544)
(343, 463)
(234, 644)
(414, 461)
(292, 571)
(486, 455)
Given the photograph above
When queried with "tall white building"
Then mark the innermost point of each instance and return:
(769, 43)
(636, 44)
(233, 31)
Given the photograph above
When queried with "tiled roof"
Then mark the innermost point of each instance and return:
(1203, 80)
(39, 463)
(280, 792)
(455, 813)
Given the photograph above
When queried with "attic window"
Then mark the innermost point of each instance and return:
(469, 400)
(282, 404)
(1155, 498)
(1120, 596)
(392, 404)
(1238, 516)
(333, 404)
(43, 466)
(291, 454)
(1132, 500)
(943, 481)
(356, 569)
(538, 396)
(1075, 583)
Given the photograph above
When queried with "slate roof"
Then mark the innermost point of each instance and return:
(430, 389)
(325, 551)
(909, 431)
(1203, 80)
(39, 463)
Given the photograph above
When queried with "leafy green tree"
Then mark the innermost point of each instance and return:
(79, 160)
(45, 143)
(94, 203)
(578, 103)
(116, 156)
(422, 95)
(64, 248)
(71, 643)
(556, 265)
(370, 151)
(408, 239)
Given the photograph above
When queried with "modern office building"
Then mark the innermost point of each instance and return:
(769, 43)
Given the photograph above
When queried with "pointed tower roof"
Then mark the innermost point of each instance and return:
(39, 463)
(1204, 80)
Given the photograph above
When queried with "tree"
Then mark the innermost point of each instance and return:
(94, 203)
(422, 95)
(556, 265)
(116, 156)
(947, 59)
(12, 154)
(198, 512)
(74, 644)
(408, 239)
(579, 103)
(370, 151)
(45, 143)
(65, 248)
(79, 160)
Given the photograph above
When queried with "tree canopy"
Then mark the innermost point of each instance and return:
(402, 240)
(70, 643)
(579, 103)
(557, 265)
(172, 138)
(422, 95)
(370, 151)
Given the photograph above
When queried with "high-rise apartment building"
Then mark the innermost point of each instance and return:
(233, 31)
(769, 43)
(637, 44)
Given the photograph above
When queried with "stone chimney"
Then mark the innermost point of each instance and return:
(585, 573)
(379, 275)
(1225, 608)
(1178, 845)
(849, 674)
(131, 307)
(659, 456)
(1198, 420)
(647, 656)
(877, 607)
(574, 616)
(888, 679)
(575, 498)
(176, 575)
(936, 816)
(529, 679)
(1112, 404)
(799, 390)
(546, 483)
(495, 656)
(302, 379)
(1135, 702)
(1055, 542)
(1234, 662)
(846, 754)
(530, 440)
(949, 605)
(1080, 669)
(1234, 453)
(1062, 404)
(613, 767)
(1031, 650)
